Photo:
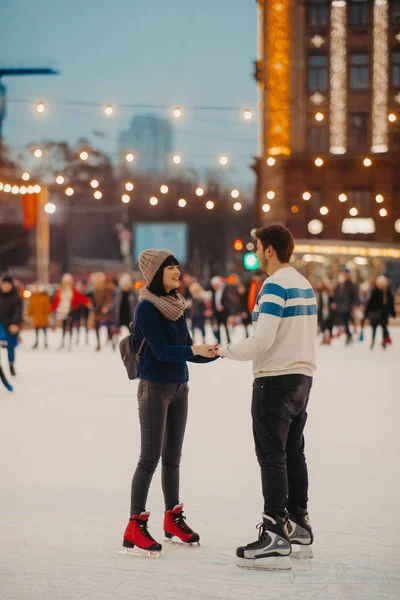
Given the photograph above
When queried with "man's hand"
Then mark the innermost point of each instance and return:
(13, 329)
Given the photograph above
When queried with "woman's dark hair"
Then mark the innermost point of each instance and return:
(280, 238)
(156, 286)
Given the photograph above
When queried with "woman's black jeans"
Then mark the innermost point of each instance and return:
(163, 409)
(279, 415)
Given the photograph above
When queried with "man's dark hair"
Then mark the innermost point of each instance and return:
(156, 286)
(280, 238)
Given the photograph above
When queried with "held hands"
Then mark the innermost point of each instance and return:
(205, 350)
(13, 329)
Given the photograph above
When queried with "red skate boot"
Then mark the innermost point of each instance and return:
(137, 534)
(174, 525)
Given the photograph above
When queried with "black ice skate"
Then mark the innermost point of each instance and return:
(301, 535)
(272, 549)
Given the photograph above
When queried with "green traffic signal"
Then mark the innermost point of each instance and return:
(250, 261)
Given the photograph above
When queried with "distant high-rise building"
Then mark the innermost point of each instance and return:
(150, 138)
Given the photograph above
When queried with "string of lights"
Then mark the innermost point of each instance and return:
(380, 77)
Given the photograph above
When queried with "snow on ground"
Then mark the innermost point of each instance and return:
(69, 444)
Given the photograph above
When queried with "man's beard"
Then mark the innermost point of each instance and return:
(264, 265)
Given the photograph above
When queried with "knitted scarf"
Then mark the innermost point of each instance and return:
(171, 307)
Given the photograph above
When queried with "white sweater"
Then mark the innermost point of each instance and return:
(285, 328)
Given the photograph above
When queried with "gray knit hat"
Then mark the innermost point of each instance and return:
(151, 260)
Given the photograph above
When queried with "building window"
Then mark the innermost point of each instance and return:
(395, 12)
(360, 199)
(359, 13)
(317, 137)
(317, 72)
(358, 131)
(359, 71)
(315, 201)
(317, 14)
(396, 69)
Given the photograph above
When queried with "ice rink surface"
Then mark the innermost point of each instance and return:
(69, 442)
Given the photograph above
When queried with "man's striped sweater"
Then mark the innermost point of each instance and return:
(285, 328)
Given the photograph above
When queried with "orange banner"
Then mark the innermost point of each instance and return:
(29, 211)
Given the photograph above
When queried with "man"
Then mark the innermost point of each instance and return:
(282, 349)
(346, 298)
(220, 308)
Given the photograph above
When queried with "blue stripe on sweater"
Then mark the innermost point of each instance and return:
(298, 293)
(273, 288)
(296, 311)
(270, 308)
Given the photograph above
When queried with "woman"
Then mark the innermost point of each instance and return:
(66, 300)
(379, 308)
(10, 317)
(40, 310)
(163, 396)
(125, 302)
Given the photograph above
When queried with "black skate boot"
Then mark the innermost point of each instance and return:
(300, 534)
(272, 549)
(12, 369)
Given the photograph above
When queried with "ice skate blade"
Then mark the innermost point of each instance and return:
(299, 551)
(272, 563)
(138, 554)
(178, 542)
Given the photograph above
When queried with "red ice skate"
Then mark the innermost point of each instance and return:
(174, 525)
(137, 534)
(386, 342)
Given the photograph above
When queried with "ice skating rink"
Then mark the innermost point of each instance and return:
(69, 442)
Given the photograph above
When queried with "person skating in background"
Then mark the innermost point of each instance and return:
(245, 314)
(66, 299)
(39, 309)
(365, 294)
(344, 301)
(162, 396)
(283, 352)
(10, 318)
(198, 309)
(125, 302)
(102, 299)
(326, 313)
(379, 308)
(220, 308)
(81, 313)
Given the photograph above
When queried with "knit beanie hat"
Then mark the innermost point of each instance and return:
(7, 279)
(151, 260)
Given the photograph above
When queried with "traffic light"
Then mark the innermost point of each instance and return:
(250, 261)
(238, 245)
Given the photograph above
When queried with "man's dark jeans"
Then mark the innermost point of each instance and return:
(279, 411)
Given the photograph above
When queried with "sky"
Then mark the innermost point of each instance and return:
(164, 52)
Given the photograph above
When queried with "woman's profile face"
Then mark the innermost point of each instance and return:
(171, 276)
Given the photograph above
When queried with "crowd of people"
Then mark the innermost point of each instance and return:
(344, 308)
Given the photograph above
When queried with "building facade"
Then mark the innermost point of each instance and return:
(329, 80)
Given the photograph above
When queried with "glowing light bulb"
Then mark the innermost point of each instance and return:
(271, 161)
(176, 159)
(153, 201)
(319, 116)
(69, 191)
(25, 176)
(237, 206)
(210, 205)
(223, 160)
(318, 162)
(109, 110)
(353, 212)
(248, 114)
(266, 208)
(60, 179)
(271, 195)
(94, 184)
(38, 153)
(50, 208)
(125, 198)
(37, 189)
(392, 117)
(383, 212)
(324, 210)
(367, 162)
(235, 193)
(40, 107)
(342, 197)
(129, 186)
(129, 157)
(199, 191)
(182, 202)
(84, 155)
(98, 195)
(177, 113)
(306, 196)
(15, 189)
(7, 188)
(379, 198)
(164, 189)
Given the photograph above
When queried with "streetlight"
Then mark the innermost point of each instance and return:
(176, 159)
(223, 160)
(129, 157)
(109, 110)
(248, 115)
(38, 153)
(40, 107)
(84, 155)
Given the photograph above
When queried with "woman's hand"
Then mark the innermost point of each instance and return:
(206, 350)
